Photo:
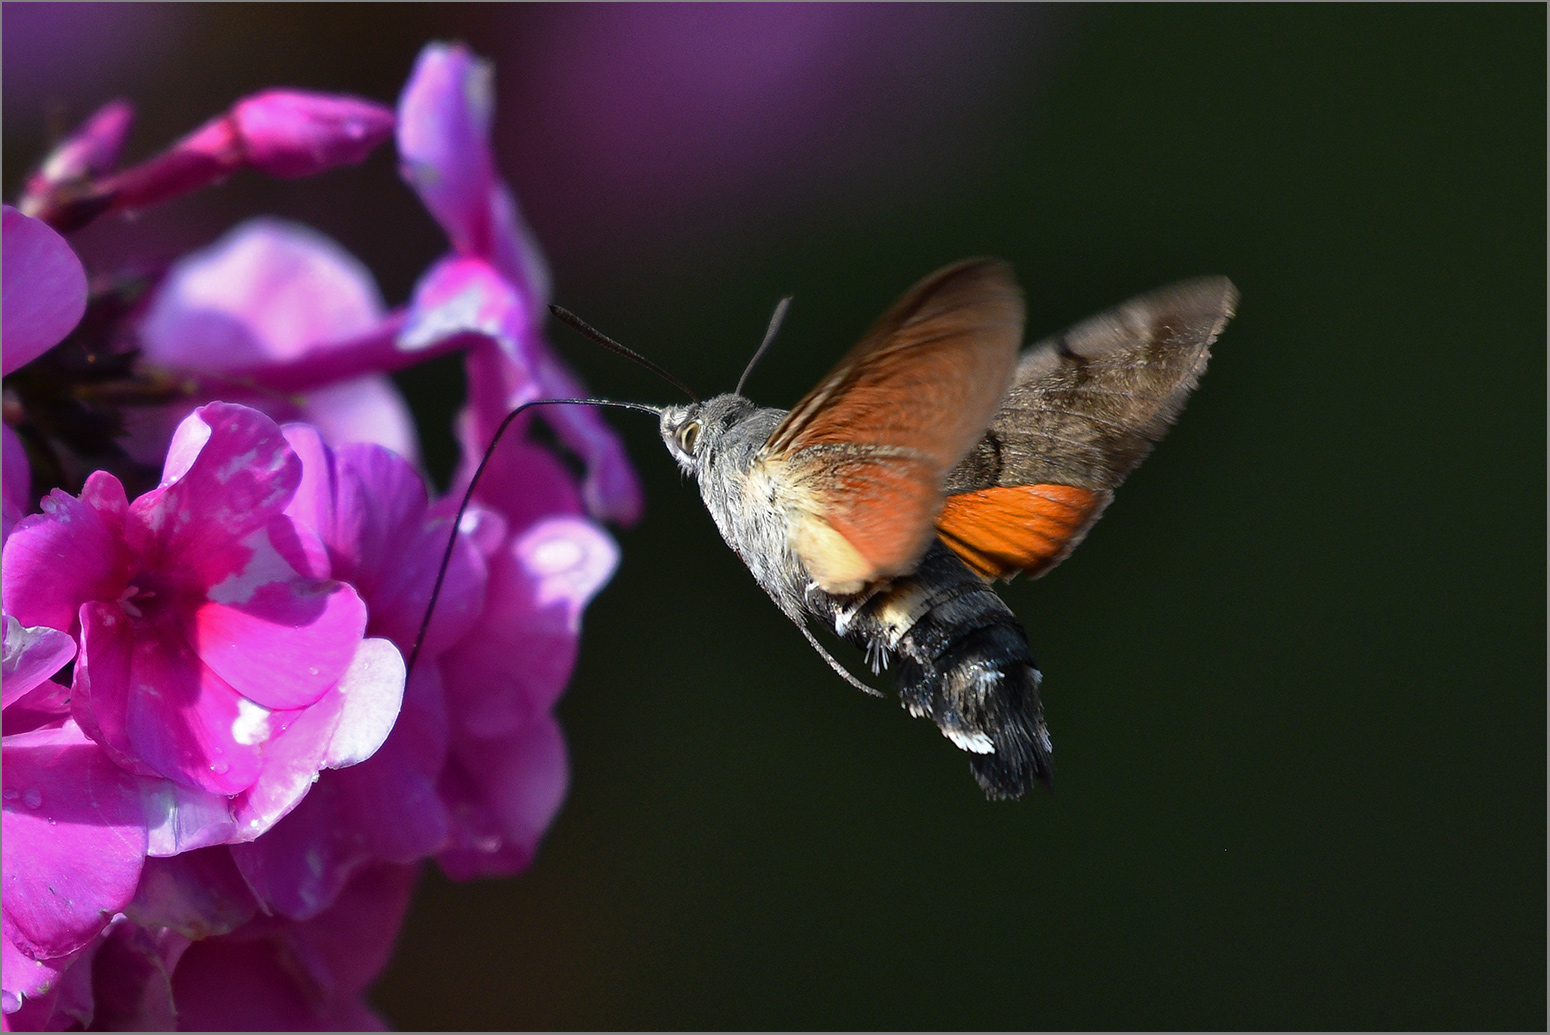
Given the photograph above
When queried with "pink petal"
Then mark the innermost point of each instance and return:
(42, 288)
(243, 477)
(71, 553)
(73, 840)
(503, 794)
(467, 296)
(515, 663)
(269, 292)
(385, 808)
(443, 142)
(297, 976)
(31, 656)
(146, 697)
(39, 992)
(295, 133)
(284, 645)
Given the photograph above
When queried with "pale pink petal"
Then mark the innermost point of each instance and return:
(466, 296)
(73, 840)
(183, 819)
(268, 292)
(31, 656)
(42, 288)
(373, 691)
(70, 553)
(345, 726)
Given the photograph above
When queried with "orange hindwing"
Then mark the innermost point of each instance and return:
(1007, 529)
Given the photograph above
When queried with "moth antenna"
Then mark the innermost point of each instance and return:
(776, 319)
(570, 319)
(468, 495)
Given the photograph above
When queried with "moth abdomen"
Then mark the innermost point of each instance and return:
(963, 662)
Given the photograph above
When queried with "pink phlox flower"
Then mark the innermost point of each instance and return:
(272, 309)
(215, 651)
(495, 283)
(42, 288)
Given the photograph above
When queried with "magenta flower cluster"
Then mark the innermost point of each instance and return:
(219, 779)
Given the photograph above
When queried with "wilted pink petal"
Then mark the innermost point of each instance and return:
(503, 794)
(199, 894)
(516, 661)
(73, 840)
(42, 288)
(31, 656)
(132, 979)
(292, 133)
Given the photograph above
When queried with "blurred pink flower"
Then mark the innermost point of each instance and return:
(271, 310)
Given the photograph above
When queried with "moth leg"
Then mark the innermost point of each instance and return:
(841, 669)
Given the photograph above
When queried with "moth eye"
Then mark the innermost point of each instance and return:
(689, 436)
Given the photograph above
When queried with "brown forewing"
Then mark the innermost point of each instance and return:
(900, 410)
(1085, 408)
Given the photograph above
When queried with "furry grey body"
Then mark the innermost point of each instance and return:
(961, 656)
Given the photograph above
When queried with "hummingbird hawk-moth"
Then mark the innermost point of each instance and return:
(933, 460)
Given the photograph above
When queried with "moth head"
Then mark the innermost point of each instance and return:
(692, 431)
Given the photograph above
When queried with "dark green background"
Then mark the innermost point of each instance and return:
(1295, 677)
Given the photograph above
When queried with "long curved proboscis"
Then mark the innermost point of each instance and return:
(468, 495)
